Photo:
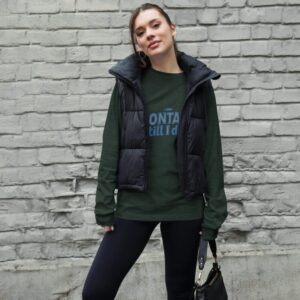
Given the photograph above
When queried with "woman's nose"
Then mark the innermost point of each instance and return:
(149, 34)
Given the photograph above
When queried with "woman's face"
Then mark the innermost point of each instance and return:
(153, 34)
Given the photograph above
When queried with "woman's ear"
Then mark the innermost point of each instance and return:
(173, 29)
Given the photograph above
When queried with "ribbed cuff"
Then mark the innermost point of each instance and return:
(105, 220)
(209, 234)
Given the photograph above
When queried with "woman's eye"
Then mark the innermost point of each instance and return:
(141, 32)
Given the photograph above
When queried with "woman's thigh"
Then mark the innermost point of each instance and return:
(180, 241)
(116, 254)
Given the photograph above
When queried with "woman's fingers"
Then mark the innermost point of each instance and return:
(108, 228)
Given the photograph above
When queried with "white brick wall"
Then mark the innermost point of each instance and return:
(55, 90)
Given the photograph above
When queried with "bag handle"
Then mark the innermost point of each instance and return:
(202, 252)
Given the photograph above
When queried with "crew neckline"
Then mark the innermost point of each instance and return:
(166, 73)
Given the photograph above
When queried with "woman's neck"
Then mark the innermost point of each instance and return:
(165, 63)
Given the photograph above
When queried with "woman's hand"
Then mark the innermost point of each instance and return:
(108, 228)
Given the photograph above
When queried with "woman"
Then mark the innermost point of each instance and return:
(162, 151)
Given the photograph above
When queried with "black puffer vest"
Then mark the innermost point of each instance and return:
(190, 140)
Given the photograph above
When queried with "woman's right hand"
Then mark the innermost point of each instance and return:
(108, 228)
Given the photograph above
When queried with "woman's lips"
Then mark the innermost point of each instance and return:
(154, 45)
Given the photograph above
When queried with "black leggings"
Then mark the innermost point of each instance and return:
(120, 249)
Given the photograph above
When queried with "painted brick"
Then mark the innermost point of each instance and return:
(51, 38)
(232, 97)
(259, 237)
(229, 16)
(13, 38)
(270, 15)
(264, 2)
(209, 49)
(179, 4)
(261, 96)
(236, 3)
(293, 64)
(255, 48)
(119, 20)
(27, 54)
(264, 81)
(90, 136)
(56, 155)
(131, 5)
(291, 15)
(287, 95)
(100, 53)
(231, 65)
(262, 112)
(95, 5)
(17, 6)
(215, 3)
(259, 31)
(229, 32)
(185, 17)
(207, 16)
(230, 49)
(291, 111)
(249, 15)
(229, 113)
(119, 52)
(284, 48)
(79, 21)
(57, 71)
(286, 128)
(99, 37)
(291, 80)
(67, 5)
(282, 32)
(77, 54)
(260, 128)
(286, 236)
(296, 31)
(8, 158)
(229, 82)
(31, 22)
(43, 6)
(191, 34)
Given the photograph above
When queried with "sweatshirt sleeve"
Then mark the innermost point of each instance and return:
(215, 212)
(107, 172)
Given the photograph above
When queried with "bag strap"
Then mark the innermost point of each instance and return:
(202, 252)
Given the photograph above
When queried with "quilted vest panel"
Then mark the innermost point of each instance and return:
(132, 161)
(195, 133)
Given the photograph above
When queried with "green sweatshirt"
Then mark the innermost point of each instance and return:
(163, 200)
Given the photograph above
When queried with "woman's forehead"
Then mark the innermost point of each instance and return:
(145, 17)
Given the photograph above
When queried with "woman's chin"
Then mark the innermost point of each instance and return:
(157, 53)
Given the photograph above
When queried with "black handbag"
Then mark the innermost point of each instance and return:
(213, 288)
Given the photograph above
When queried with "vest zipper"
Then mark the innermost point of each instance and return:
(205, 201)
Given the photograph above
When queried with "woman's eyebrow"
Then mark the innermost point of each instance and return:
(149, 22)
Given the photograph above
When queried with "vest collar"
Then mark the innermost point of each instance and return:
(195, 70)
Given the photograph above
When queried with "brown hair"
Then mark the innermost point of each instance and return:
(141, 56)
